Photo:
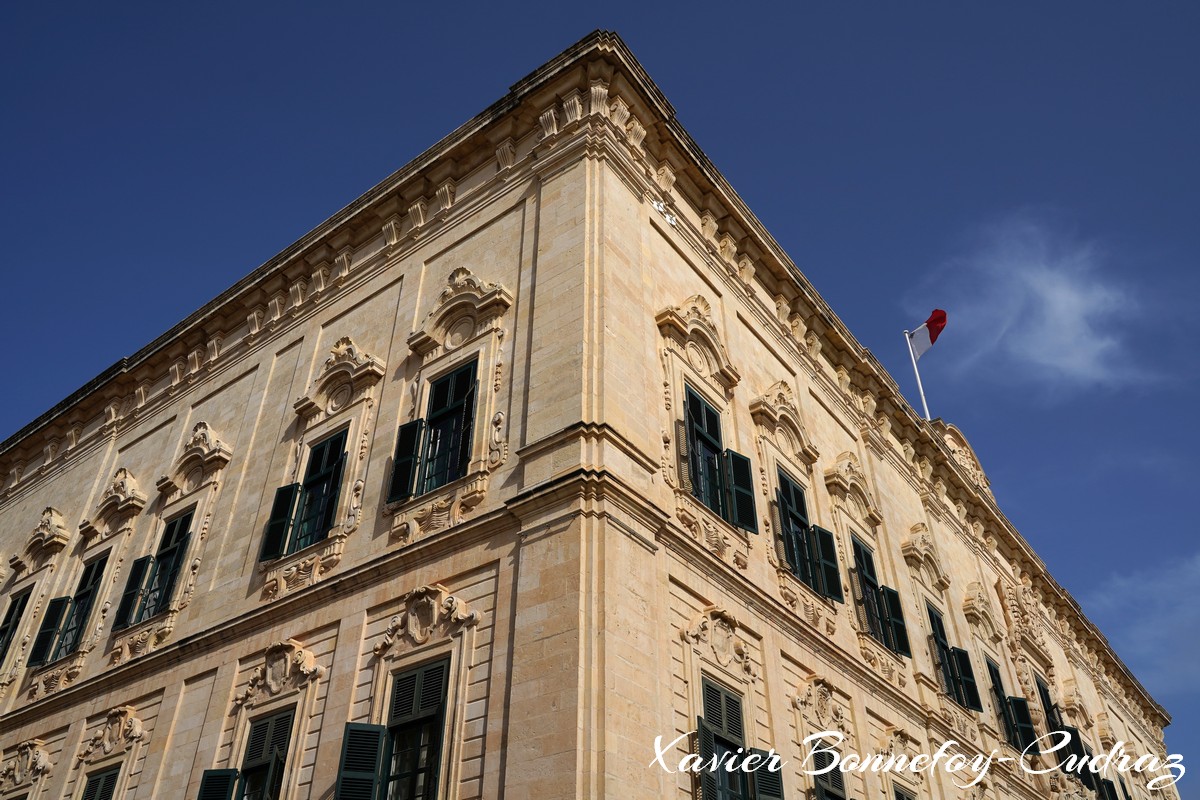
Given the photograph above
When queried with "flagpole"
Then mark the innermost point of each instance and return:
(917, 372)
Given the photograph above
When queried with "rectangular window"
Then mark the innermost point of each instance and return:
(901, 794)
(1049, 708)
(830, 785)
(1004, 713)
(152, 579)
(721, 479)
(302, 514)
(66, 618)
(954, 666)
(266, 751)
(436, 450)
(721, 732)
(882, 611)
(415, 732)
(12, 620)
(811, 551)
(101, 785)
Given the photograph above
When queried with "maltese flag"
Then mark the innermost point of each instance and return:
(923, 337)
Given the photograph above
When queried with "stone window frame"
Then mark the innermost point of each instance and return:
(465, 323)
(341, 397)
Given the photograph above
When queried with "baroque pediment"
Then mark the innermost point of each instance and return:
(690, 330)
(715, 630)
(47, 539)
(921, 555)
(465, 308)
(286, 667)
(427, 611)
(847, 483)
(346, 378)
(120, 503)
(977, 608)
(777, 415)
(28, 765)
(121, 730)
(203, 456)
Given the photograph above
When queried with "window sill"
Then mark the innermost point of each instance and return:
(48, 678)
(816, 609)
(142, 637)
(295, 571)
(712, 530)
(443, 507)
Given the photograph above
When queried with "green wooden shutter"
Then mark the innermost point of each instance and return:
(467, 432)
(1086, 775)
(173, 568)
(135, 588)
(43, 644)
(739, 479)
(281, 734)
(723, 712)
(1124, 788)
(329, 500)
(12, 619)
(683, 456)
(830, 785)
(101, 785)
(1108, 790)
(826, 563)
(256, 742)
(406, 460)
(362, 750)
(968, 689)
(280, 523)
(706, 747)
(767, 785)
(217, 784)
(893, 621)
(419, 692)
(1023, 722)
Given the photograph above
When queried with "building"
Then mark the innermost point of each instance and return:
(540, 449)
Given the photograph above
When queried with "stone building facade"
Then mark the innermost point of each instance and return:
(540, 449)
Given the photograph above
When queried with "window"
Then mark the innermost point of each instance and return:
(721, 480)
(303, 513)
(152, 579)
(1107, 790)
(954, 666)
(436, 450)
(881, 606)
(830, 785)
(101, 785)
(1011, 712)
(66, 617)
(1074, 744)
(810, 550)
(12, 619)
(721, 734)
(901, 794)
(261, 776)
(410, 747)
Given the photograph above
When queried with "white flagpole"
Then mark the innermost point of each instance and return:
(917, 372)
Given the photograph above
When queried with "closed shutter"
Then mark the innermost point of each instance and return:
(739, 478)
(419, 692)
(723, 712)
(172, 566)
(330, 498)
(826, 563)
(43, 644)
(683, 456)
(131, 598)
(467, 432)
(968, 689)
(768, 785)
(359, 773)
(1124, 788)
(706, 748)
(1023, 723)
(406, 460)
(101, 786)
(217, 784)
(1108, 790)
(280, 523)
(12, 619)
(893, 621)
(831, 785)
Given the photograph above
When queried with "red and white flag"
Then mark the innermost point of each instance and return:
(923, 337)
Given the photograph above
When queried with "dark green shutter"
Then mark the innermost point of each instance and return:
(831, 785)
(280, 523)
(359, 774)
(217, 784)
(1085, 772)
(1124, 788)
(101, 785)
(281, 734)
(256, 742)
(330, 498)
(1108, 790)
(968, 689)
(893, 620)
(1076, 748)
(739, 479)
(706, 748)
(467, 432)
(768, 785)
(683, 456)
(826, 563)
(723, 712)
(56, 611)
(419, 692)
(135, 587)
(406, 460)
(176, 564)
(1022, 722)
(12, 619)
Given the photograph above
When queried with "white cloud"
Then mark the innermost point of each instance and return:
(1150, 617)
(1030, 304)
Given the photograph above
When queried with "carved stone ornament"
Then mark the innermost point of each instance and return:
(690, 332)
(47, 539)
(778, 418)
(814, 611)
(466, 308)
(848, 485)
(286, 667)
(1027, 627)
(427, 611)
(444, 508)
(964, 456)
(977, 608)
(203, 456)
(28, 766)
(308, 566)
(149, 635)
(1071, 700)
(716, 629)
(921, 555)
(346, 379)
(119, 504)
(121, 730)
(819, 706)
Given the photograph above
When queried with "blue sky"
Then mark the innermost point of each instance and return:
(1030, 167)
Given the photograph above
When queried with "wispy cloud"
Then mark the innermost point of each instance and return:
(1150, 618)
(1031, 304)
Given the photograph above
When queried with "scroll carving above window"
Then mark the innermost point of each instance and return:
(717, 631)
(286, 667)
(977, 608)
(347, 378)
(28, 766)
(120, 503)
(848, 485)
(778, 418)
(465, 309)
(47, 539)
(203, 456)
(427, 611)
(921, 555)
(691, 334)
(120, 731)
